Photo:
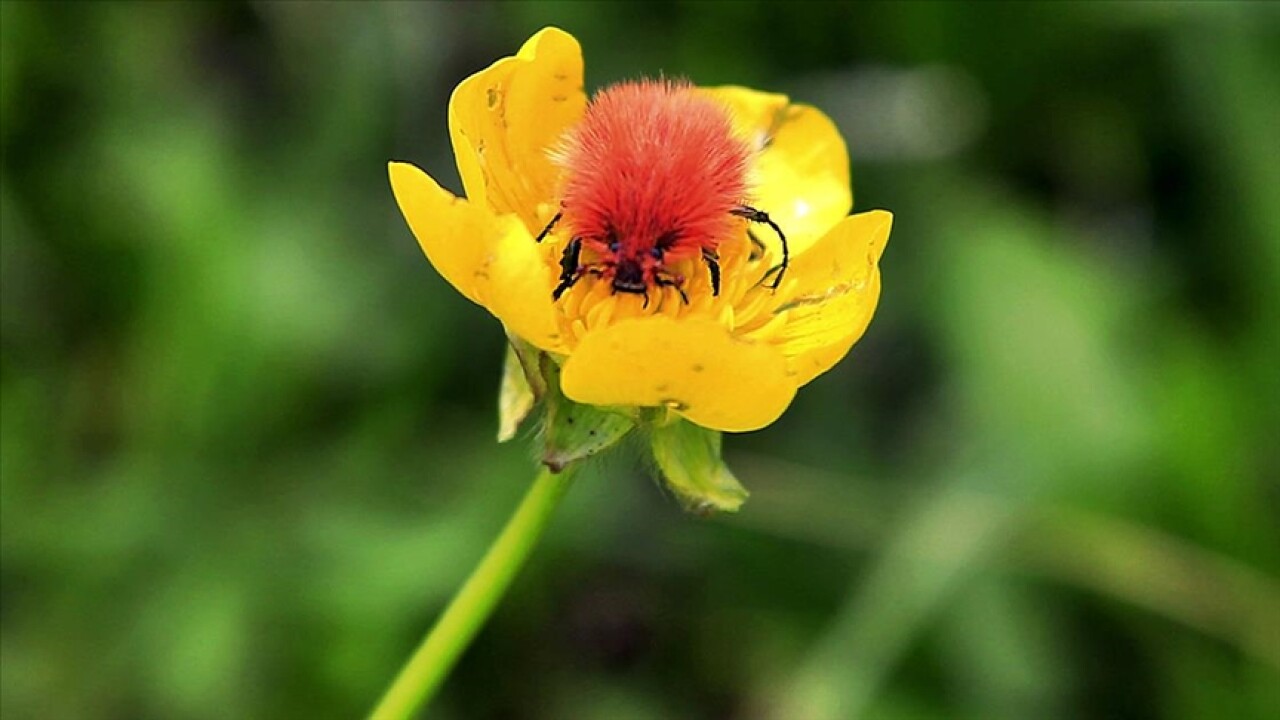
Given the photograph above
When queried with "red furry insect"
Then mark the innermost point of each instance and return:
(653, 175)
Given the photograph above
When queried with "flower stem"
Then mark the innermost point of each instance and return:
(421, 676)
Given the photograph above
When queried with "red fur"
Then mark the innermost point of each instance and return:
(650, 159)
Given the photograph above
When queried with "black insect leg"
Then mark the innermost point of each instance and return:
(642, 290)
(548, 228)
(569, 270)
(760, 216)
(713, 264)
(664, 281)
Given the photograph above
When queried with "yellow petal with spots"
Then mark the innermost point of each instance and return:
(802, 172)
(490, 259)
(457, 236)
(830, 293)
(809, 364)
(692, 365)
(505, 119)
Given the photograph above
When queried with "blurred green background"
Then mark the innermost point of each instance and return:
(247, 442)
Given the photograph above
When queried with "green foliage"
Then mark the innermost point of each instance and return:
(688, 457)
(246, 433)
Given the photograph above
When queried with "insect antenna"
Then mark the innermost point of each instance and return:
(760, 216)
(547, 229)
(713, 264)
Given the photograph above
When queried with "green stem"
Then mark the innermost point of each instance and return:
(467, 612)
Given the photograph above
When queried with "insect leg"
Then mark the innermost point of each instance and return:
(761, 216)
(665, 281)
(713, 264)
(569, 270)
(547, 229)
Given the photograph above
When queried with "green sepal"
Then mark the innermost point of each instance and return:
(522, 387)
(689, 457)
(573, 431)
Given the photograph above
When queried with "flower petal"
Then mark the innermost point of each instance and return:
(517, 288)
(692, 365)
(830, 294)
(802, 172)
(505, 119)
(809, 364)
(457, 236)
(490, 259)
(755, 113)
(574, 431)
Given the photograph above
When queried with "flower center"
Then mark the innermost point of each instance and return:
(743, 305)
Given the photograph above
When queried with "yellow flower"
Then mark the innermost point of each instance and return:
(729, 362)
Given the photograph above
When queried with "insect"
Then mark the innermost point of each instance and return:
(652, 176)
